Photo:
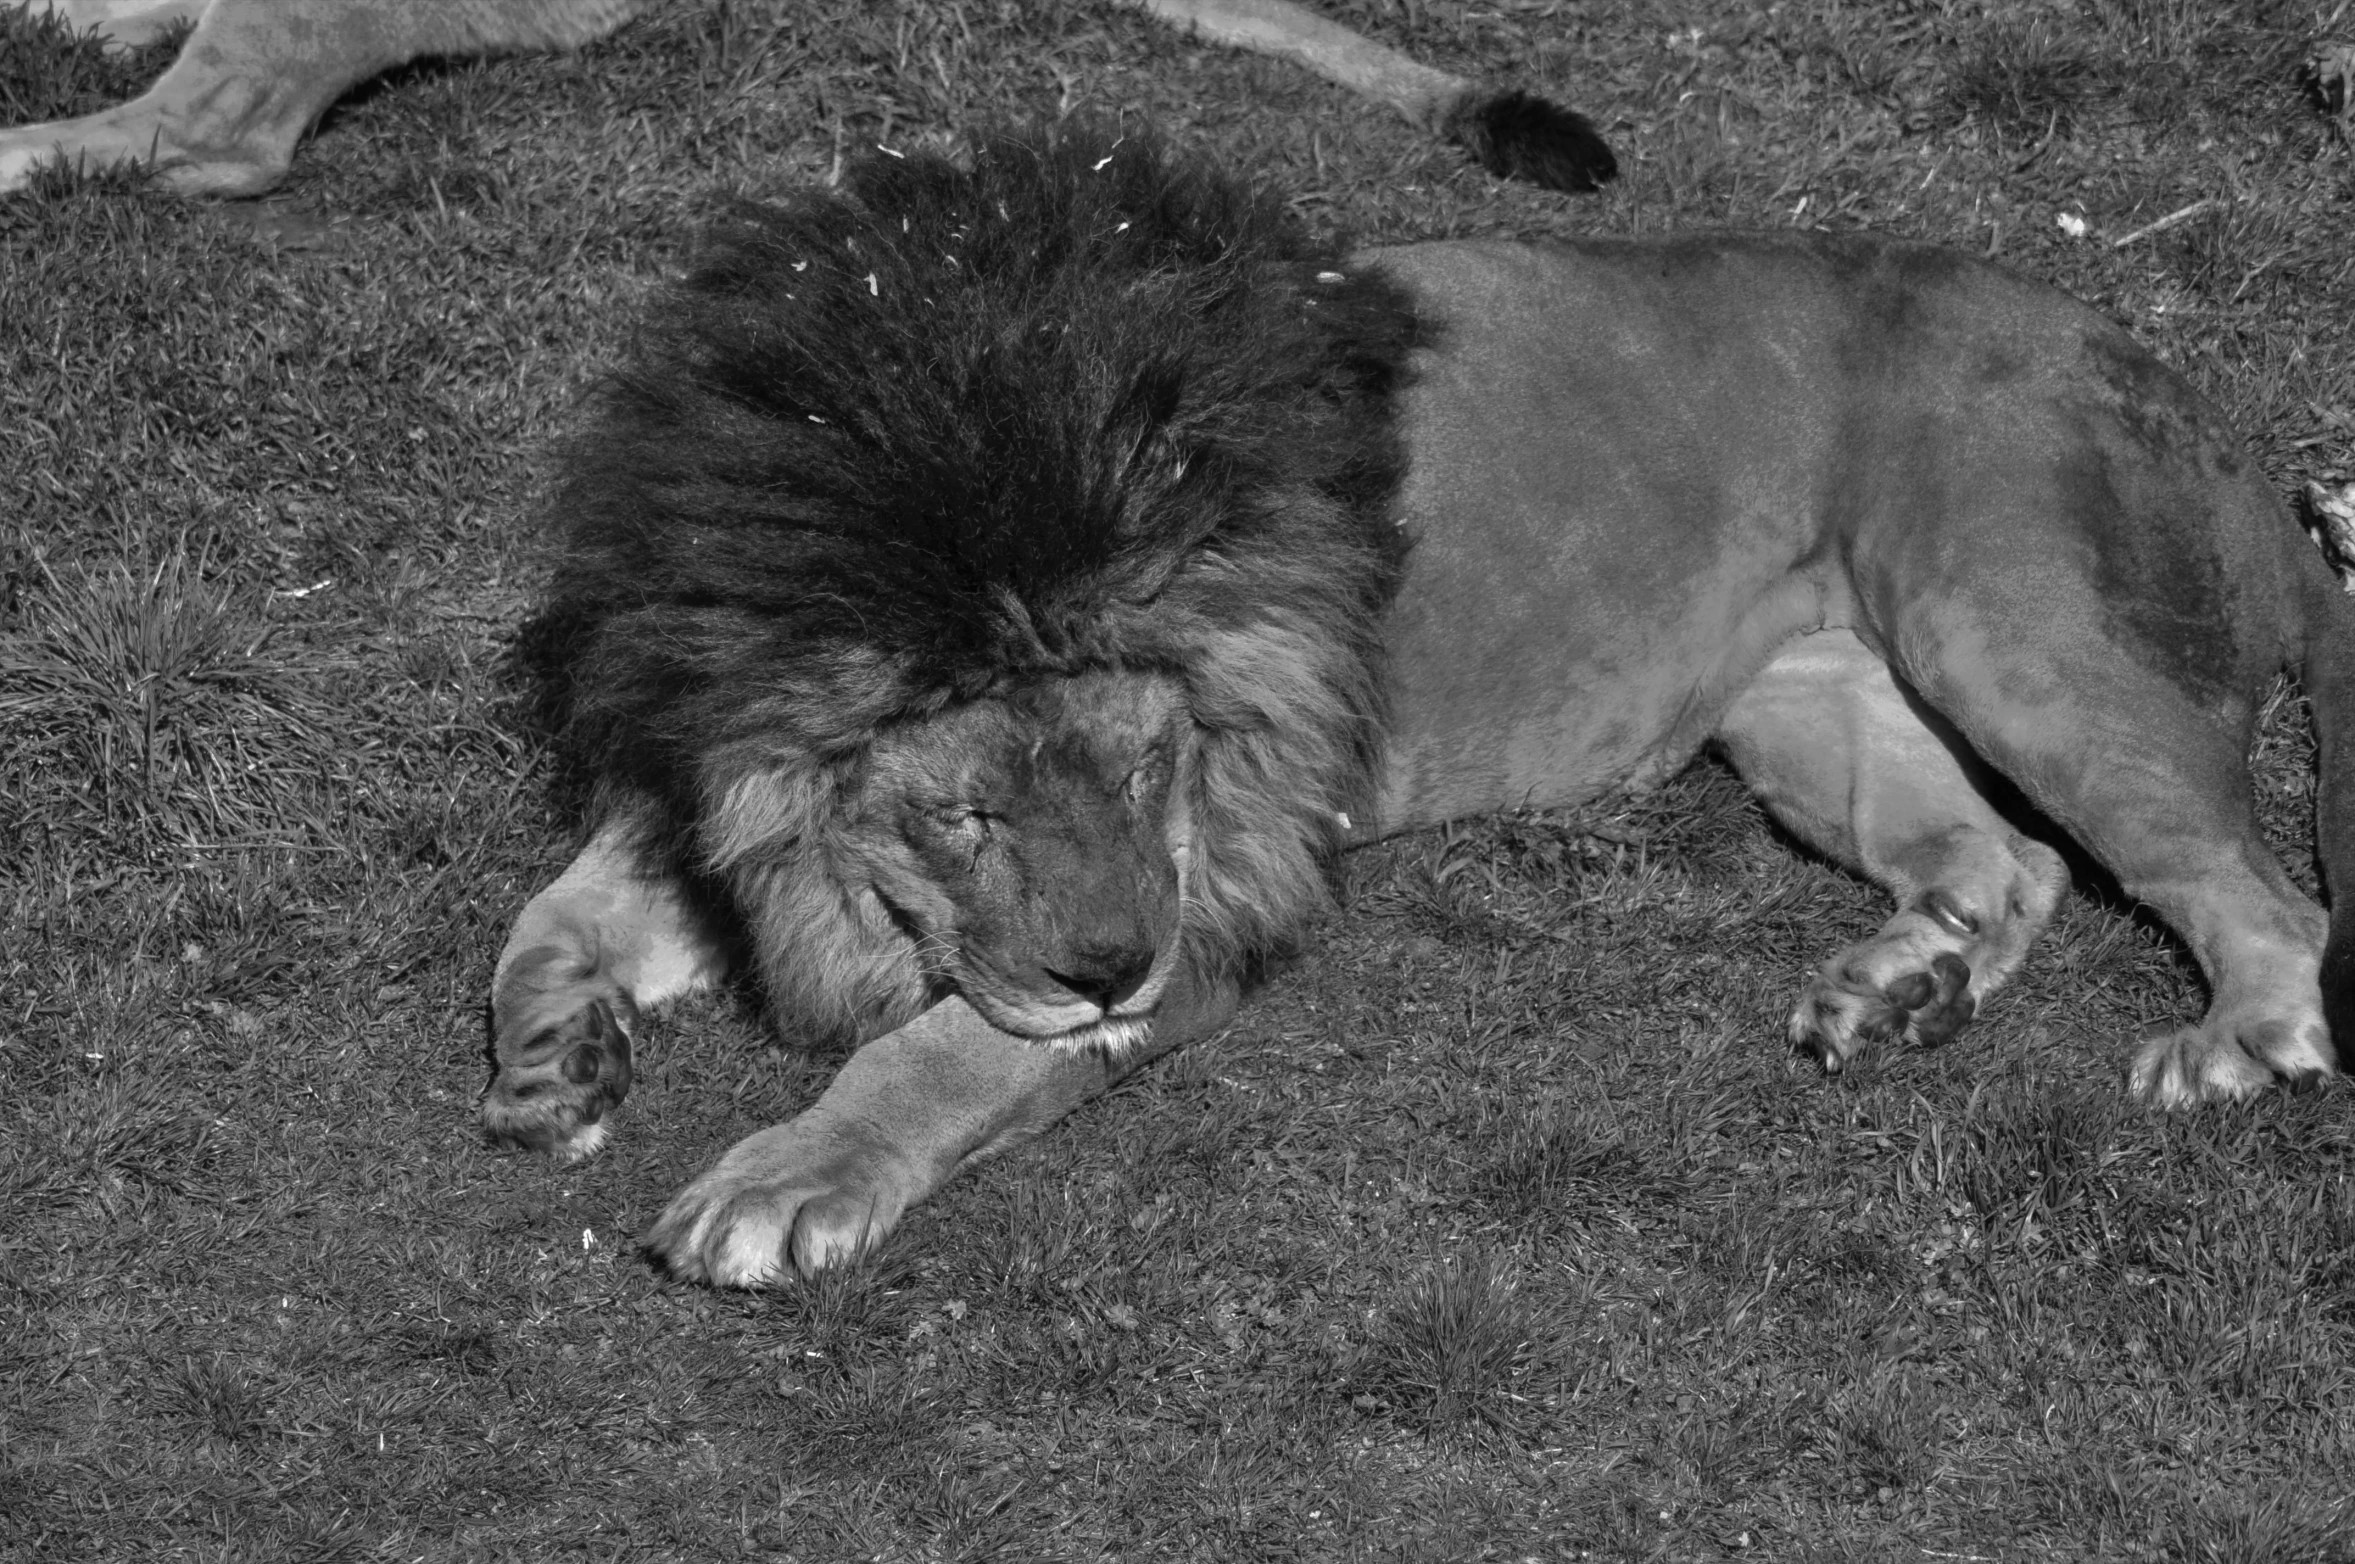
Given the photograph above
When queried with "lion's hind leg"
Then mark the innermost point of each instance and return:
(605, 942)
(2147, 767)
(256, 74)
(1853, 766)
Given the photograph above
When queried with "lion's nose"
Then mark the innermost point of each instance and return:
(1106, 981)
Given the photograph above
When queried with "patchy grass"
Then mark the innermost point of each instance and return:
(1502, 1227)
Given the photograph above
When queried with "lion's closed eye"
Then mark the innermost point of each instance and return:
(969, 827)
(1147, 776)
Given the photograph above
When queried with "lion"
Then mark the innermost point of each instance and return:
(991, 595)
(255, 75)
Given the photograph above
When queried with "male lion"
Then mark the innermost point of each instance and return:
(991, 595)
(256, 74)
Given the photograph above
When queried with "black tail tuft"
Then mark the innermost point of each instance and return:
(1519, 135)
(2328, 672)
(2338, 987)
(2334, 841)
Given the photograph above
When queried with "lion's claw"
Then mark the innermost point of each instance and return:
(733, 1243)
(782, 1199)
(1850, 1005)
(2218, 1061)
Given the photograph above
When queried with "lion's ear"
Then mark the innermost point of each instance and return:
(759, 812)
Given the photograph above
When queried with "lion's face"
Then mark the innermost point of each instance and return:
(1034, 846)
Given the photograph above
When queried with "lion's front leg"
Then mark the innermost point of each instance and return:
(908, 1110)
(608, 940)
(1855, 767)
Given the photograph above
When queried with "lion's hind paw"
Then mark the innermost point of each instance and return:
(1856, 1001)
(2219, 1062)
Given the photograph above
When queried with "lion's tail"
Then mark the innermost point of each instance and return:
(2329, 675)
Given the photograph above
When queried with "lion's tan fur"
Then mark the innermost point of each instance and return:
(1903, 525)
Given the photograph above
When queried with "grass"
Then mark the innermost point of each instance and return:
(1503, 1227)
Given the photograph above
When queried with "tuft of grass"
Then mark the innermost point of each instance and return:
(1457, 1347)
(2032, 1150)
(99, 1142)
(2278, 1525)
(1884, 1434)
(49, 71)
(144, 700)
(1552, 1162)
(2023, 78)
(220, 1398)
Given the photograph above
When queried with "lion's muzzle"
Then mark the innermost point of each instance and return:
(1107, 977)
(1072, 989)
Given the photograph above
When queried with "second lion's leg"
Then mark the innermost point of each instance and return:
(256, 74)
(608, 940)
(126, 22)
(1853, 765)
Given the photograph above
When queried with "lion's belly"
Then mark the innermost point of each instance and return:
(1496, 707)
(1606, 545)
(1532, 677)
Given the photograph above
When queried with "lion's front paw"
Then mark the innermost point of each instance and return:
(554, 1088)
(795, 1193)
(2218, 1061)
(1897, 984)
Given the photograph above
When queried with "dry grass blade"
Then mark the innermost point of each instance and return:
(1457, 1347)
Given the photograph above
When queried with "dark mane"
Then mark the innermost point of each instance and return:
(1079, 404)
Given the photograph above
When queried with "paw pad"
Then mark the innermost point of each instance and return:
(557, 1086)
(1941, 1003)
